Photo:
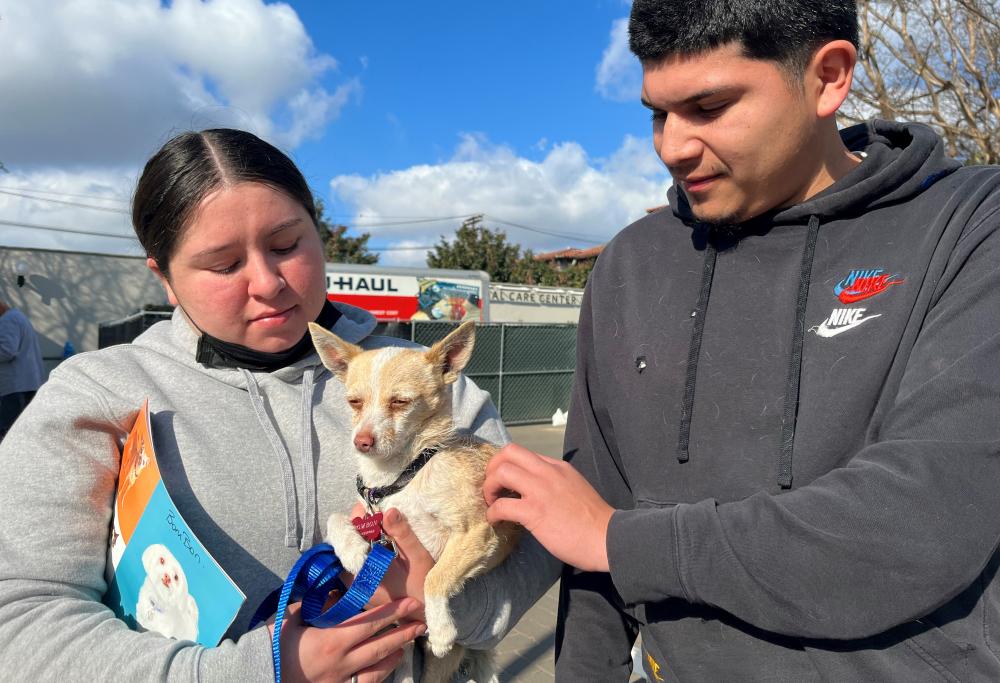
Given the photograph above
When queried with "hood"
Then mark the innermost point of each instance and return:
(903, 159)
(179, 340)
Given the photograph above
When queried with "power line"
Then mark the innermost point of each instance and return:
(543, 232)
(92, 233)
(410, 222)
(361, 216)
(64, 194)
(68, 230)
(65, 202)
(553, 233)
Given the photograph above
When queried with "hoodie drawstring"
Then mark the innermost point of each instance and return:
(708, 271)
(307, 463)
(790, 414)
(285, 460)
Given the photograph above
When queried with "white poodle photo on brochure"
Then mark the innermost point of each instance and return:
(164, 605)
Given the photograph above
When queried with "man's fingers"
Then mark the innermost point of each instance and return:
(507, 510)
(519, 455)
(509, 476)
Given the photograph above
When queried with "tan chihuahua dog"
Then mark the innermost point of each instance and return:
(411, 458)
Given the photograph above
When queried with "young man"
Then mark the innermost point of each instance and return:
(784, 441)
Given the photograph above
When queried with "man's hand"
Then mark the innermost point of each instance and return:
(556, 505)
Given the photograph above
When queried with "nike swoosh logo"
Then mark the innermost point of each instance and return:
(825, 330)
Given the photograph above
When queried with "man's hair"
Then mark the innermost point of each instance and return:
(783, 31)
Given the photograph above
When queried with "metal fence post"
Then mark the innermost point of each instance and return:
(503, 331)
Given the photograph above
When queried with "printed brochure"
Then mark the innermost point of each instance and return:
(160, 577)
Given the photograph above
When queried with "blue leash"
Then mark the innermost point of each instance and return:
(314, 575)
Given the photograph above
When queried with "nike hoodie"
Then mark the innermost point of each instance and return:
(799, 424)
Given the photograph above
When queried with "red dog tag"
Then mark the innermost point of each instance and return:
(369, 526)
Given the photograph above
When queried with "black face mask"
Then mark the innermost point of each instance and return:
(215, 353)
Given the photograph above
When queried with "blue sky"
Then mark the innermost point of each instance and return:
(395, 111)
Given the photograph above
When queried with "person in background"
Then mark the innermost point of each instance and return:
(783, 442)
(21, 369)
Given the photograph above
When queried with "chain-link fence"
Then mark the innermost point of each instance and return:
(123, 331)
(526, 367)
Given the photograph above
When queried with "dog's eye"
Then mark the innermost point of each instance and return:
(356, 403)
(397, 402)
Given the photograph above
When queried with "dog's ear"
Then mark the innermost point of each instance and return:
(452, 353)
(335, 353)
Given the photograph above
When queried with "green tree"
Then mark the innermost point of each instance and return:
(338, 246)
(531, 272)
(476, 247)
(528, 271)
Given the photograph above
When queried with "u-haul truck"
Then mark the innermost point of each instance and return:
(397, 293)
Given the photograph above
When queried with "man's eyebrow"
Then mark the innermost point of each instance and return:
(700, 95)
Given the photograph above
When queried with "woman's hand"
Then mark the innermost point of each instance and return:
(408, 571)
(358, 646)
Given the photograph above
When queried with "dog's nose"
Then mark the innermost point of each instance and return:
(364, 441)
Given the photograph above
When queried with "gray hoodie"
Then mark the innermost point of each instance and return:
(798, 422)
(255, 462)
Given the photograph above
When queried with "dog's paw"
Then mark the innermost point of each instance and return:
(441, 631)
(350, 547)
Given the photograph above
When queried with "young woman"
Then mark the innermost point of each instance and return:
(251, 435)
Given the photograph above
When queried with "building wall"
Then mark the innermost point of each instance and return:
(66, 294)
(532, 304)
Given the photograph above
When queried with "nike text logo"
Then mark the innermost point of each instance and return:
(842, 320)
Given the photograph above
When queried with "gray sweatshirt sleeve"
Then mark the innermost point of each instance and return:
(595, 633)
(492, 604)
(906, 525)
(58, 468)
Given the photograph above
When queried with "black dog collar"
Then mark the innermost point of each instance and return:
(373, 495)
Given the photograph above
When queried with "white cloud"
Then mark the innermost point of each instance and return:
(107, 189)
(619, 75)
(565, 192)
(105, 82)
(412, 253)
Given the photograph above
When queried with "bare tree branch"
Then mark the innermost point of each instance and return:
(933, 61)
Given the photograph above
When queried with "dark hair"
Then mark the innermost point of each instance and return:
(193, 164)
(784, 31)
